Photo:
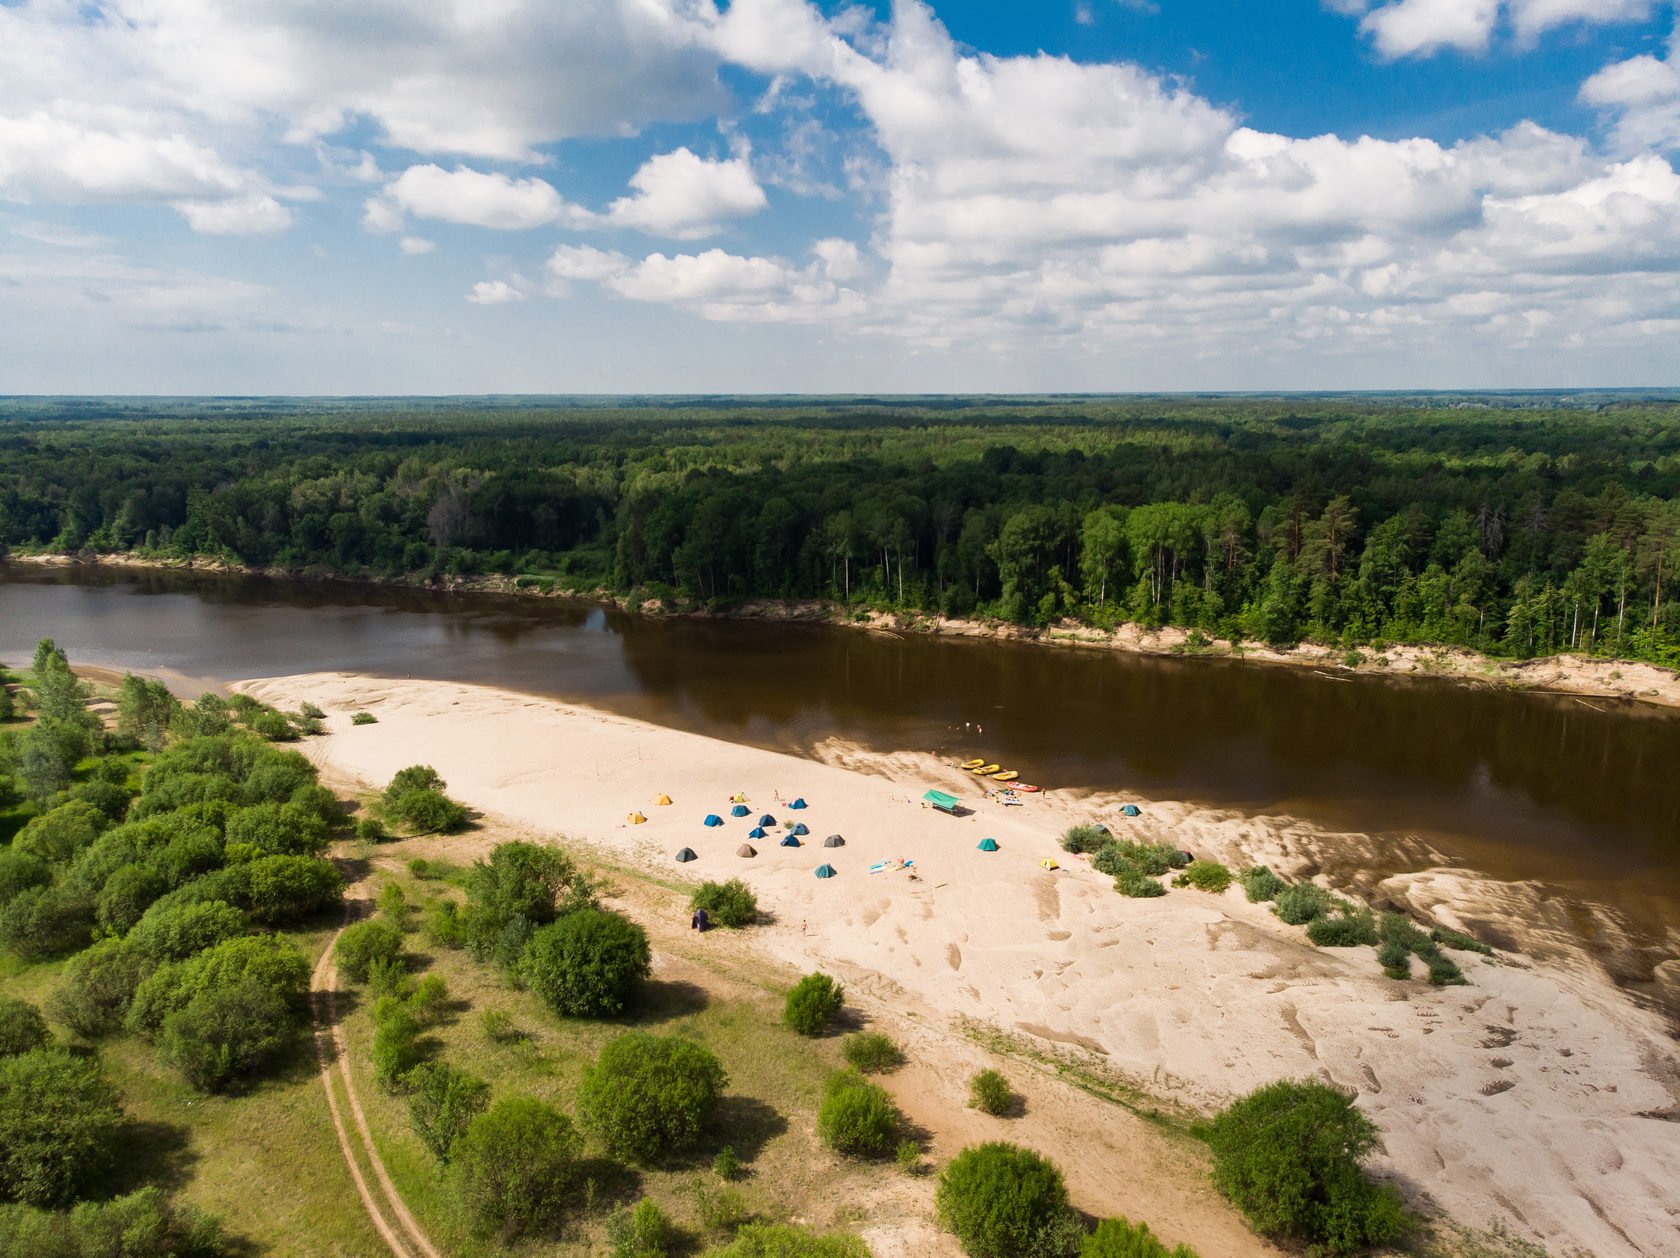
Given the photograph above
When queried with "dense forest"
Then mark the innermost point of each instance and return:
(1520, 525)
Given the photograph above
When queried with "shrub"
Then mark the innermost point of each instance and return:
(22, 1028)
(58, 1124)
(99, 986)
(45, 922)
(284, 888)
(144, 1224)
(1117, 1238)
(1138, 886)
(388, 976)
(779, 1240)
(1300, 902)
(513, 893)
(111, 798)
(271, 963)
(813, 1001)
(1444, 971)
(729, 903)
(393, 904)
(1209, 876)
(20, 871)
(442, 1102)
(372, 830)
(990, 1093)
(908, 1155)
(513, 1167)
(279, 830)
(178, 931)
(644, 1232)
(360, 945)
(364, 718)
(1396, 959)
(1002, 1201)
(417, 777)
(857, 1118)
(442, 926)
(60, 834)
(1458, 939)
(586, 965)
(1288, 1155)
(428, 1000)
(718, 1209)
(225, 1033)
(426, 812)
(1085, 838)
(396, 1042)
(872, 1053)
(499, 1027)
(1261, 884)
(127, 895)
(648, 1096)
(1343, 930)
(726, 1166)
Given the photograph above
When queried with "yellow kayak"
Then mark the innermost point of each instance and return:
(972, 764)
(986, 771)
(1008, 775)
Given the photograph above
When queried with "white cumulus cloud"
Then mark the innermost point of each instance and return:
(684, 196)
(476, 198)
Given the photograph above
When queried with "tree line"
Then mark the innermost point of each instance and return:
(1517, 529)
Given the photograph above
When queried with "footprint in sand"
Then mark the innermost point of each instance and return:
(953, 956)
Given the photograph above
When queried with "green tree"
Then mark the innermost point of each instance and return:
(586, 965)
(442, 1102)
(729, 903)
(857, 1118)
(145, 711)
(58, 1126)
(22, 1028)
(648, 1096)
(811, 1003)
(514, 1167)
(1003, 1201)
(360, 945)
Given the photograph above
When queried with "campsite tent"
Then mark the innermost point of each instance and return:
(790, 841)
(1049, 864)
(942, 801)
(825, 871)
(663, 799)
(798, 803)
(834, 840)
(712, 819)
(746, 849)
(686, 855)
(635, 818)
(757, 832)
(988, 845)
(740, 810)
(1131, 810)
(766, 820)
(801, 829)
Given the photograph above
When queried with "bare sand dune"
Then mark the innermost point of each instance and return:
(1540, 1097)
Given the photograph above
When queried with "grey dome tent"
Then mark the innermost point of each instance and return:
(790, 841)
(712, 819)
(801, 829)
(757, 832)
(1131, 810)
(740, 810)
(825, 871)
(746, 849)
(988, 845)
(766, 820)
(686, 855)
(834, 840)
(798, 803)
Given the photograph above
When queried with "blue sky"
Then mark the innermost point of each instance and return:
(458, 196)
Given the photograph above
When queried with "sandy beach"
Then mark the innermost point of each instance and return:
(1540, 1098)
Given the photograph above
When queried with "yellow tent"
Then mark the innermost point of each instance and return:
(740, 797)
(636, 819)
(1049, 864)
(663, 800)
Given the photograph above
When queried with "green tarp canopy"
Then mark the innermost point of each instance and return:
(942, 801)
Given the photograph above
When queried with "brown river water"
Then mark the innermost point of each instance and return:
(1518, 787)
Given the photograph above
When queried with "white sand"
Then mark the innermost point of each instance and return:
(1539, 1097)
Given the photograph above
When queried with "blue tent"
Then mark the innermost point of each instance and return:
(712, 819)
(825, 871)
(798, 803)
(1131, 810)
(790, 841)
(740, 810)
(988, 845)
(757, 832)
(801, 829)
(766, 820)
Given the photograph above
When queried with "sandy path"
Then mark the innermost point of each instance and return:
(1540, 1098)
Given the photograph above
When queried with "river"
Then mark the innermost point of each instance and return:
(1516, 786)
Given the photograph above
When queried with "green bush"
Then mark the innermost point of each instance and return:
(500, 1028)
(22, 1028)
(360, 945)
(872, 1053)
(127, 895)
(178, 931)
(396, 1042)
(372, 830)
(111, 798)
(647, 1096)
(990, 1093)
(1343, 930)
(58, 1126)
(1261, 884)
(1300, 902)
(1458, 939)
(908, 1155)
(514, 1166)
(393, 904)
(512, 894)
(442, 925)
(1444, 971)
(98, 986)
(442, 1103)
(1209, 876)
(364, 718)
(1117, 1238)
(60, 834)
(43, 922)
(1289, 1154)
(719, 1209)
(1003, 1201)
(426, 812)
(1138, 886)
(267, 961)
(1085, 838)
(388, 976)
(417, 777)
(857, 1118)
(1396, 959)
(279, 830)
(19, 872)
(1119, 856)
(429, 999)
(586, 965)
(285, 888)
(814, 1000)
(144, 1224)
(729, 903)
(778, 1240)
(224, 1034)
(726, 1166)
(644, 1232)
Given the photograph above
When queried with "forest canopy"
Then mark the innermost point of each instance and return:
(1517, 526)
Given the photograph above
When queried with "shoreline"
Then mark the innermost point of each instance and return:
(1538, 1099)
(1633, 683)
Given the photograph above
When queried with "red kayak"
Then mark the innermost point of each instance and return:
(1021, 786)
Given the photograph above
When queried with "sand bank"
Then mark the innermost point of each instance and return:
(1540, 1097)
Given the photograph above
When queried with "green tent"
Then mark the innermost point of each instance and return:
(988, 845)
(825, 871)
(942, 801)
